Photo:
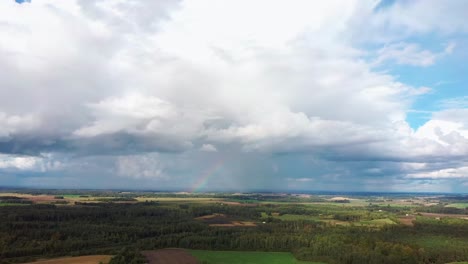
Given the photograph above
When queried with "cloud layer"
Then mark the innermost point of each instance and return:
(151, 95)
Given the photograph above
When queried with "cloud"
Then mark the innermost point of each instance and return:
(208, 148)
(426, 16)
(30, 163)
(455, 103)
(191, 94)
(16, 123)
(140, 166)
(20, 163)
(407, 19)
(125, 87)
(410, 54)
(461, 172)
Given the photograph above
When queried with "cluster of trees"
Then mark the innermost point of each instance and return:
(37, 231)
(441, 209)
(128, 255)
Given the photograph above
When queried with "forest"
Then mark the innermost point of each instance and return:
(330, 233)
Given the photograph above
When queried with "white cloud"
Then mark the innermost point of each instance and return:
(410, 54)
(422, 90)
(131, 112)
(10, 124)
(208, 148)
(170, 81)
(408, 19)
(426, 16)
(455, 103)
(42, 163)
(461, 172)
(20, 163)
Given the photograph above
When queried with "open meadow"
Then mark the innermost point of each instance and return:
(246, 257)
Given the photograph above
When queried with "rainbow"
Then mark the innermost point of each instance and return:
(207, 174)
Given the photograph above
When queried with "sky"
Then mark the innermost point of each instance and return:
(199, 95)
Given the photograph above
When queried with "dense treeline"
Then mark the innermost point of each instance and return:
(128, 255)
(440, 209)
(37, 231)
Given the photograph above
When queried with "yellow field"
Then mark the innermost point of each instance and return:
(176, 199)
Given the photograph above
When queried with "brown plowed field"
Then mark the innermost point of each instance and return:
(222, 220)
(407, 220)
(236, 224)
(241, 204)
(76, 260)
(169, 256)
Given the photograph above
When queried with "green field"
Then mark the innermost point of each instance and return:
(378, 222)
(13, 204)
(70, 195)
(243, 257)
(294, 217)
(458, 205)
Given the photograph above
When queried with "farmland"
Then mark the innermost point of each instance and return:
(222, 227)
(170, 256)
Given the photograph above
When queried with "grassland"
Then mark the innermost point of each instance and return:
(458, 205)
(378, 222)
(294, 217)
(12, 204)
(242, 257)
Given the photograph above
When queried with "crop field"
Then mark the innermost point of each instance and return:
(12, 204)
(242, 257)
(177, 199)
(221, 220)
(51, 199)
(458, 205)
(170, 256)
(407, 220)
(378, 222)
(293, 217)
